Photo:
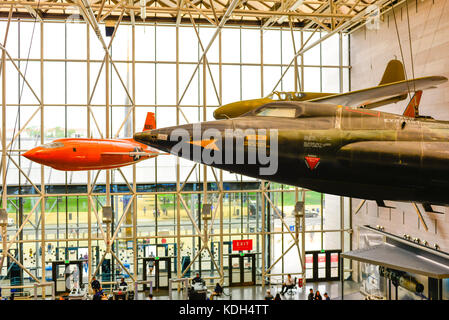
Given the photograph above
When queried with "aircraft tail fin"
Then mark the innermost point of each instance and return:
(150, 122)
(412, 109)
(394, 72)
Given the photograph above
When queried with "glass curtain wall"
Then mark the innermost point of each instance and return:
(61, 62)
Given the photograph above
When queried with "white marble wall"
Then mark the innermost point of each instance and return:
(370, 52)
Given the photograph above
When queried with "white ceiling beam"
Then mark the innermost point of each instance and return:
(34, 13)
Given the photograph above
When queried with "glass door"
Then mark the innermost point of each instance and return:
(234, 270)
(334, 272)
(249, 269)
(322, 265)
(163, 272)
(309, 266)
(242, 269)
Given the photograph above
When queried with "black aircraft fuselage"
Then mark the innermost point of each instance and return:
(328, 148)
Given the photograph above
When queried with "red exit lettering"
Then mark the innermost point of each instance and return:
(240, 245)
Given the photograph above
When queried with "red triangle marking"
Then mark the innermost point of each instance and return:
(312, 162)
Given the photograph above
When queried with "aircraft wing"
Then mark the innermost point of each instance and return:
(399, 153)
(383, 94)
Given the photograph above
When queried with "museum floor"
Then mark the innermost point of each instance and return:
(351, 292)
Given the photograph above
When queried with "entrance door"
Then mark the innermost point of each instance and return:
(67, 275)
(322, 265)
(234, 270)
(242, 269)
(249, 269)
(168, 250)
(161, 272)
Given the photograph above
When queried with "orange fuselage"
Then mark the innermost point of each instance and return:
(90, 154)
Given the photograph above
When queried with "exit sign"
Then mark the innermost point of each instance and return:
(240, 245)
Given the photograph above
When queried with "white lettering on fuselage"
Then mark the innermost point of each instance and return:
(312, 142)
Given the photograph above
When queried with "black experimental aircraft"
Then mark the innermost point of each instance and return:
(329, 148)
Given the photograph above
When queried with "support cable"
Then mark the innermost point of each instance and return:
(411, 50)
(400, 48)
(436, 29)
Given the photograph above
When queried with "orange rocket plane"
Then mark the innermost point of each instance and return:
(76, 154)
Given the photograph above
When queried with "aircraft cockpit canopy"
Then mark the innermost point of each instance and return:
(275, 111)
(53, 145)
(294, 109)
(286, 96)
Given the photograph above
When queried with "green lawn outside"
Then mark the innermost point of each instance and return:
(312, 198)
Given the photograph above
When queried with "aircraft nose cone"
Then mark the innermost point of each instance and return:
(146, 137)
(30, 154)
(140, 136)
(165, 138)
(37, 155)
(152, 138)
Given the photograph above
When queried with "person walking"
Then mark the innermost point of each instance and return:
(151, 264)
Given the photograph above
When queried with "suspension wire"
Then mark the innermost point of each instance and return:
(436, 28)
(411, 50)
(400, 47)
(297, 77)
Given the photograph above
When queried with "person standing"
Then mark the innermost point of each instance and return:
(151, 264)
(278, 297)
(326, 296)
(318, 296)
(310, 296)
